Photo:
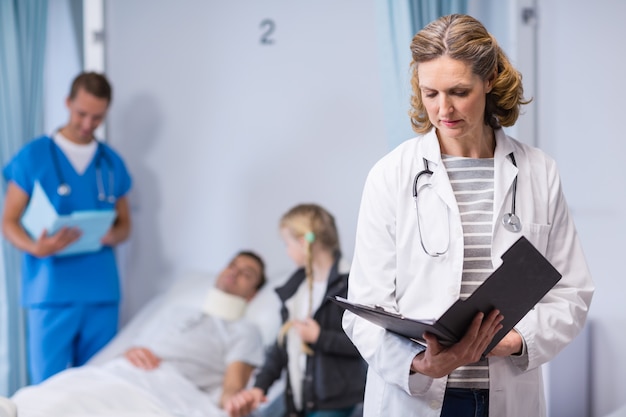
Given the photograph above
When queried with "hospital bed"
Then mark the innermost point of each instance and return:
(92, 390)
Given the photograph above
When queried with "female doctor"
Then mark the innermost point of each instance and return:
(436, 215)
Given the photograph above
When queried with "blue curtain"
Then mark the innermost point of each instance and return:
(76, 14)
(398, 21)
(425, 11)
(22, 47)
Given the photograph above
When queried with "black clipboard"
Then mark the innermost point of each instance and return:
(514, 288)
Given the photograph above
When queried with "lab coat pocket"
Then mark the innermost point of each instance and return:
(538, 235)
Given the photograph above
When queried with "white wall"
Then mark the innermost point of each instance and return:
(580, 97)
(62, 63)
(223, 134)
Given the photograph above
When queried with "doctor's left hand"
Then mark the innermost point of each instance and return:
(511, 344)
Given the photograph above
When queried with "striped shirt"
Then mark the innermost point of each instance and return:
(472, 183)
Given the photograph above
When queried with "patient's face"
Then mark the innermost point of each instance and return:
(241, 277)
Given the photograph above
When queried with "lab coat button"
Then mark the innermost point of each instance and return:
(434, 404)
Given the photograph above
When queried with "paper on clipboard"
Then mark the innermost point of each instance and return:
(397, 323)
(514, 288)
(40, 214)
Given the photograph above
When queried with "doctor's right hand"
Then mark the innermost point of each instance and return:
(438, 361)
(47, 245)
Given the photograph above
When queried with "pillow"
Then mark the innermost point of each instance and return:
(7, 408)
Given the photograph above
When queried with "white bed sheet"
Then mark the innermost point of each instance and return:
(115, 389)
(109, 386)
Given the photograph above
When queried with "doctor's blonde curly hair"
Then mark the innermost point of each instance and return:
(464, 38)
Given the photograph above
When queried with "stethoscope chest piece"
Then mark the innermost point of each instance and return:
(512, 223)
(64, 190)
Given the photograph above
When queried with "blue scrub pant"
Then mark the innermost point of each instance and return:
(63, 335)
(461, 402)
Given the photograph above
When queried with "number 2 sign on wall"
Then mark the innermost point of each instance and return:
(268, 27)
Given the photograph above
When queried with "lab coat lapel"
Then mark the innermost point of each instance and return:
(439, 180)
(504, 176)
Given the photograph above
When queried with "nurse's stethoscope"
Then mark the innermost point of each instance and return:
(64, 188)
(510, 221)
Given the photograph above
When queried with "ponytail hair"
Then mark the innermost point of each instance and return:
(317, 227)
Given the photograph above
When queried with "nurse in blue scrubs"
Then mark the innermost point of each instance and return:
(72, 301)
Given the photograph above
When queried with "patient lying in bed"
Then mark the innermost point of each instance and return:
(186, 363)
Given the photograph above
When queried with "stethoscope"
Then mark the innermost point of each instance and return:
(64, 188)
(510, 221)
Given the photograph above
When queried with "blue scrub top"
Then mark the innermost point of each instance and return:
(89, 277)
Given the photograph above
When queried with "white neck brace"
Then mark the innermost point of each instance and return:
(226, 306)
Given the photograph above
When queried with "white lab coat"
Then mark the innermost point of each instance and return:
(390, 269)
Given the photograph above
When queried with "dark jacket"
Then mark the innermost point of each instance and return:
(335, 375)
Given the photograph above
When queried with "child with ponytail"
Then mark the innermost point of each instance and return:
(325, 373)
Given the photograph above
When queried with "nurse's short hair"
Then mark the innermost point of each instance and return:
(94, 83)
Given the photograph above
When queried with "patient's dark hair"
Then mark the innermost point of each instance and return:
(253, 255)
